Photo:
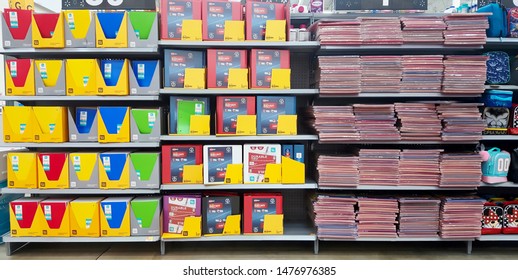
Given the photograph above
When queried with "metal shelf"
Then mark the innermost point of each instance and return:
(9, 239)
(402, 95)
(79, 191)
(501, 41)
(292, 45)
(240, 138)
(398, 239)
(394, 188)
(199, 187)
(355, 49)
(498, 237)
(81, 98)
(500, 185)
(81, 145)
(292, 232)
(87, 52)
(500, 137)
(360, 142)
(181, 91)
(502, 87)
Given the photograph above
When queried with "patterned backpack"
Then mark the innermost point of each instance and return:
(495, 165)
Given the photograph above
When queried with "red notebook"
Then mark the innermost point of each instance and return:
(54, 211)
(25, 212)
(23, 19)
(53, 164)
(19, 70)
(46, 24)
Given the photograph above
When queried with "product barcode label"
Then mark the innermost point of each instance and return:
(13, 19)
(77, 163)
(108, 71)
(141, 70)
(106, 164)
(83, 117)
(43, 71)
(46, 163)
(47, 210)
(108, 211)
(71, 22)
(14, 67)
(151, 118)
(15, 163)
(18, 212)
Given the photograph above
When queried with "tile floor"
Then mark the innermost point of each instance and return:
(266, 250)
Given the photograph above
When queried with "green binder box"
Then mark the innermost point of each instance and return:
(145, 125)
(186, 109)
(144, 170)
(143, 30)
(145, 216)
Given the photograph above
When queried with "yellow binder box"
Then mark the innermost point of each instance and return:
(53, 171)
(22, 171)
(115, 216)
(114, 170)
(56, 217)
(113, 124)
(19, 77)
(112, 79)
(111, 30)
(52, 124)
(84, 217)
(81, 76)
(19, 124)
(48, 31)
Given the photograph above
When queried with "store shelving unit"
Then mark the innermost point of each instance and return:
(498, 237)
(85, 145)
(394, 188)
(308, 46)
(301, 137)
(82, 52)
(79, 191)
(80, 98)
(201, 187)
(401, 95)
(209, 92)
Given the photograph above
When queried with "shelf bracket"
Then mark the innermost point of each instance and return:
(12, 247)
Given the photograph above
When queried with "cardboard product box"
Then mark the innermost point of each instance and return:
(174, 157)
(85, 217)
(113, 77)
(83, 169)
(142, 29)
(176, 208)
(19, 124)
(227, 110)
(218, 64)
(19, 77)
(48, 31)
(216, 209)
(79, 28)
(113, 124)
(81, 76)
(144, 170)
(115, 216)
(215, 161)
(215, 13)
(52, 124)
(22, 170)
(256, 206)
(114, 170)
(256, 157)
(295, 152)
(261, 64)
(144, 77)
(173, 13)
(175, 62)
(56, 217)
(257, 13)
(287, 151)
(53, 171)
(50, 77)
(83, 124)
(268, 110)
(145, 125)
(111, 29)
(16, 28)
(173, 109)
(145, 216)
(25, 216)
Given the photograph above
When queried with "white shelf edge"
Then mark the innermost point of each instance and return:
(401, 95)
(90, 51)
(242, 44)
(500, 185)
(9, 239)
(183, 187)
(397, 239)
(301, 137)
(78, 191)
(81, 98)
(395, 188)
(504, 87)
(498, 237)
(499, 137)
(82, 145)
(180, 91)
(404, 142)
(426, 47)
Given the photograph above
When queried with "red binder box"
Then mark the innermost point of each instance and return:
(25, 216)
(48, 31)
(255, 206)
(215, 13)
(56, 217)
(257, 13)
(227, 110)
(19, 77)
(172, 14)
(53, 171)
(218, 64)
(16, 28)
(174, 157)
(261, 64)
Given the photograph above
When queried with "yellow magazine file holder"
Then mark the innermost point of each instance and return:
(191, 229)
(293, 172)
(193, 174)
(234, 174)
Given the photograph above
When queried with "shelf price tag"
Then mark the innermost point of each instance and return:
(193, 174)
(287, 125)
(237, 78)
(275, 31)
(281, 79)
(246, 125)
(234, 31)
(194, 78)
(200, 125)
(191, 30)
(273, 224)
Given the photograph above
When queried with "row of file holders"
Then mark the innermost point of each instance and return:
(79, 29)
(79, 77)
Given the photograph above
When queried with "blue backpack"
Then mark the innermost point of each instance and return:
(495, 165)
(498, 68)
(498, 26)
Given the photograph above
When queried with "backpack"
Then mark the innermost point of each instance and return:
(513, 22)
(514, 71)
(498, 98)
(510, 217)
(496, 119)
(495, 166)
(498, 26)
(498, 68)
(513, 121)
(492, 218)
(513, 168)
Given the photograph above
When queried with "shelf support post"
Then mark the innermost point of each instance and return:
(162, 247)
(316, 247)
(469, 247)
